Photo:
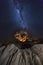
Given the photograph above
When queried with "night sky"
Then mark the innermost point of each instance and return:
(31, 17)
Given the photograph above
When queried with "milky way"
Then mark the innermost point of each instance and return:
(19, 15)
(27, 14)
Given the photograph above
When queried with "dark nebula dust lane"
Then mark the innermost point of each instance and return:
(25, 14)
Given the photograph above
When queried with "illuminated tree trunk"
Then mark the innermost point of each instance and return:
(12, 55)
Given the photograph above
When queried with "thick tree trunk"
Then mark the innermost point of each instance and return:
(12, 55)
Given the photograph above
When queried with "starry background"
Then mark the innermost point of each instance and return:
(10, 19)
